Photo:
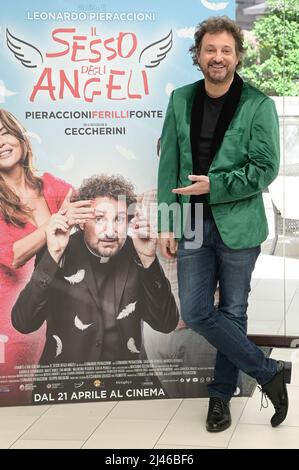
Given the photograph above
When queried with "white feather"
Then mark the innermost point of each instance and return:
(187, 33)
(153, 54)
(67, 165)
(76, 278)
(128, 154)
(58, 345)
(4, 92)
(130, 308)
(132, 346)
(80, 325)
(26, 53)
(169, 88)
(34, 135)
(214, 5)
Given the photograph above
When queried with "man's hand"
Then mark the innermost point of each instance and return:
(144, 238)
(77, 212)
(201, 186)
(168, 245)
(58, 234)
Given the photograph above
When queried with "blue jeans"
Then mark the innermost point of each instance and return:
(225, 327)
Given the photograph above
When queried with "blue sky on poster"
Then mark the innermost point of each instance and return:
(75, 157)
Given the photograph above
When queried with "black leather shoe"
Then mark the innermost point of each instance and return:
(276, 391)
(219, 417)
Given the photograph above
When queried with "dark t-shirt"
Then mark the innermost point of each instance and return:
(202, 157)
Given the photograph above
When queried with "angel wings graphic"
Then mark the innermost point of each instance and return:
(153, 54)
(31, 57)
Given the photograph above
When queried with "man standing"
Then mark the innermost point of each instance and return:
(95, 287)
(220, 149)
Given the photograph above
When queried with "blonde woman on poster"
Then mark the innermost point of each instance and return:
(27, 202)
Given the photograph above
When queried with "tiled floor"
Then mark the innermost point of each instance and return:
(176, 423)
(160, 424)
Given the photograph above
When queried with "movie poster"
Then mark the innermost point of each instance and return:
(90, 83)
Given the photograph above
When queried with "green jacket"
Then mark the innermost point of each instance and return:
(246, 162)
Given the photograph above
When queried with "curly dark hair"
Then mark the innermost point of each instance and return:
(106, 186)
(218, 24)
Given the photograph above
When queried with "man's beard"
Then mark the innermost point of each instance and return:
(218, 77)
(108, 251)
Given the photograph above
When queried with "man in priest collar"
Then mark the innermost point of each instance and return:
(94, 288)
(220, 151)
